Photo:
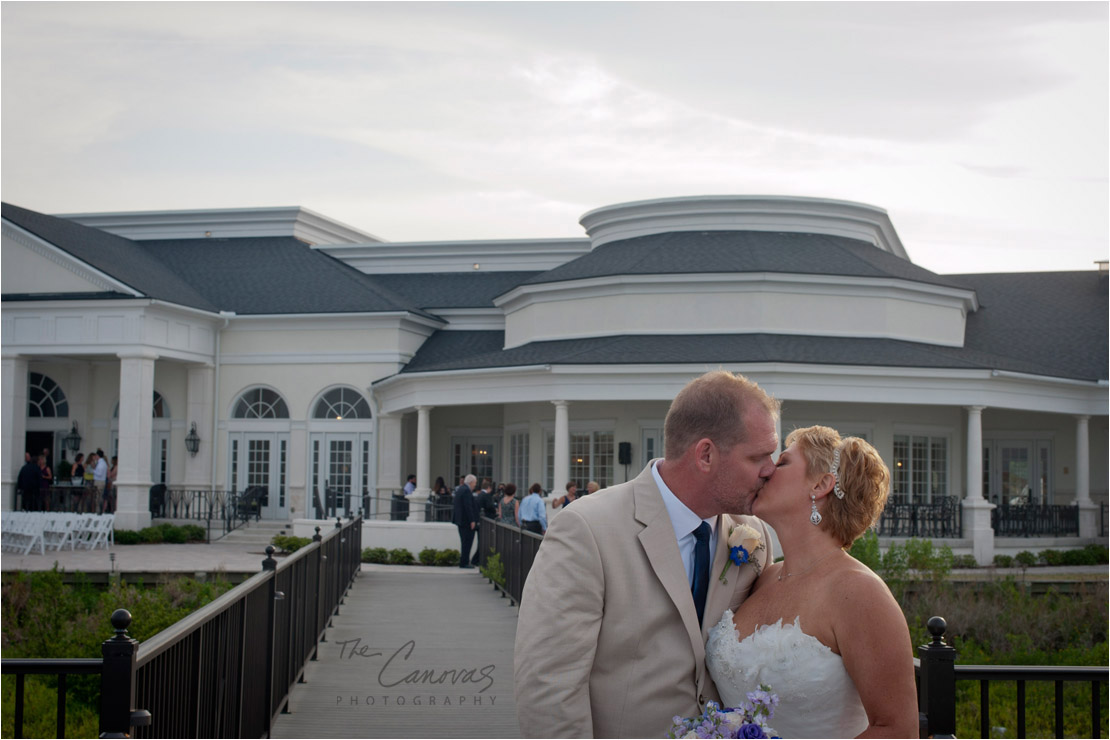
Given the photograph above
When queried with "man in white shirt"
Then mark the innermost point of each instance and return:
(410, 486)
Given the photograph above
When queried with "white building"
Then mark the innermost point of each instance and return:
(309, 354)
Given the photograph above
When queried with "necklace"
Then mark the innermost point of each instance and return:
(807, 570)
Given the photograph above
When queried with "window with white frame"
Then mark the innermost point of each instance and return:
(260, 403)
(45, 398)
(518, 460)
(920, 467)
(591, 459)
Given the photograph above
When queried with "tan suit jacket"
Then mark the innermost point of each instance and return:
(608, 642)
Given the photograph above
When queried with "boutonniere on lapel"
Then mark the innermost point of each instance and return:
(743, 544)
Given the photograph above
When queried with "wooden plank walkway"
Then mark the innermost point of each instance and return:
(414, 652)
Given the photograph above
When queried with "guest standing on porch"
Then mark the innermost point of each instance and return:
(465, 518)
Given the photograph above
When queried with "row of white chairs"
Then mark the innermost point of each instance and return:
(24, 531)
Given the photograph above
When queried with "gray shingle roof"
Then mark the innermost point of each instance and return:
(739, 251)
(1057, 322)
(432, 290)
(263, 275)
(123, 259)
(274, 275)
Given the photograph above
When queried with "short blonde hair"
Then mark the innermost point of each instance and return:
(864, 479)
(713, 406)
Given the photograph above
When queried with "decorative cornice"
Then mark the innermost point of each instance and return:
(524, 295)
(295, 221)
(460, 256)
(64, 259)
(744, 213)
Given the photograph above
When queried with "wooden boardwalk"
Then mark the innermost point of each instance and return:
(414, 652)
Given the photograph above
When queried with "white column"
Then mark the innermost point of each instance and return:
(199, 388)
(423, 464)
(561, 473)
(79, 397)
(1088, 510)
(389, 463)
(136, 390)
(976, 509)
(974, 453)
(13, 426)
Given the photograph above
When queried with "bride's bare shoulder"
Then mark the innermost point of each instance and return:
(853, 582)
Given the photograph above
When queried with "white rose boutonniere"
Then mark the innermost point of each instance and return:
(743, 544)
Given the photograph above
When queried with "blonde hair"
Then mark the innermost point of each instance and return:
(863, 477)
(713, 406)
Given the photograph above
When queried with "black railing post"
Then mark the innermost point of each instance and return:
(316, 639)
(117, 685)
(937, 691)
(269, 564)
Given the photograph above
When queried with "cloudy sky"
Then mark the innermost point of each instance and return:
(982, 128)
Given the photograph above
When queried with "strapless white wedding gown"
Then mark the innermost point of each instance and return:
(817, 697)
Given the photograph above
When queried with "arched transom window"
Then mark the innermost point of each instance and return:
(45, 397)
(342, 403)
(159, 408)
(260, 403)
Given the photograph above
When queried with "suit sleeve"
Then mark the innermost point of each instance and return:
(557, 631)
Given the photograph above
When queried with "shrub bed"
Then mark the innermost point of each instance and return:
(165, 532)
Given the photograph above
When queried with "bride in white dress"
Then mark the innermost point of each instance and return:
(820, 628)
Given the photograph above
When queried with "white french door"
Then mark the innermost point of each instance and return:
(341, 470)
(477, 455)
(261, 459)
(1018, 471)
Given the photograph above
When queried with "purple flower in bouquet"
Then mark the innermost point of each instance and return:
(750, 730)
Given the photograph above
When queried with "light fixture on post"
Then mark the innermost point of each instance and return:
(192, 441)
(72, 440)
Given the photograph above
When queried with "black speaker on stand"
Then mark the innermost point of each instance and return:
(624, 456)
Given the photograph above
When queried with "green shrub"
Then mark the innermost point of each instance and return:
(1052, 557)
(927, 561)
(195, 533)
(447, 557)
(127, 537)
(494, 569)
(1025, 559)
(288, 543)
(400, 556)
(1003, 561)
(375, 555)
(1100, 554)
(44, 617)
(428, 556)
(964, 561)
(150, 535)
(173, 534)
(866, 550)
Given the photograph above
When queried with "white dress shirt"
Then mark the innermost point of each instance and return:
(685, 522)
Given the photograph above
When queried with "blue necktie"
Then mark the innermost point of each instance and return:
(701, 568)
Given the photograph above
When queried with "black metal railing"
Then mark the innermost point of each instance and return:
(221, 511)
(58, 667)
(225, 670)
(387, 505)
(1034, 520)
(941, 517)
(517, 548)
(937, 674)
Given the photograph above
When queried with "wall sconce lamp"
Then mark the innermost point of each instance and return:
(192, 441)
(72, 440)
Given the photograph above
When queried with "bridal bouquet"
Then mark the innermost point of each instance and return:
(749, 720)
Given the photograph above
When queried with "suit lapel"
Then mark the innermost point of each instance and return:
(661, 547)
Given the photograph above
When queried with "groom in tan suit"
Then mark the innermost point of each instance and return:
(608, 642)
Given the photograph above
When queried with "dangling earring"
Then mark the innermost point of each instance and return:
(814, 514)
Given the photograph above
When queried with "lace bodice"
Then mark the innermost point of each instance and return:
(817, 697)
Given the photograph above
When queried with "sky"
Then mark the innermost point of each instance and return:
(981, 128)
